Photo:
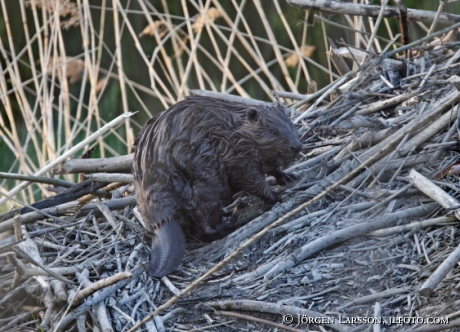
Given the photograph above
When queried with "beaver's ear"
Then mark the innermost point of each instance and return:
(252, 115)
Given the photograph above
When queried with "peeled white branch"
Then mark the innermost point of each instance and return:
(438, 275)
(434, 192)
(113, 164)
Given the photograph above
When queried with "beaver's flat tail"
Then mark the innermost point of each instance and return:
(168, 249)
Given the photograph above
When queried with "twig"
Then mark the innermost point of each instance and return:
(434, 192)
(114, 164)
(93, 287)
(377, 296)
(41, 179)
(382, 104)
(71, 194)
(428, 286)
(257, 320)
(33, 216)
(414, 225)
(103, 177)
(337, 7)
(228, 97)
(277, 309)
(403, 25)
(421, 41)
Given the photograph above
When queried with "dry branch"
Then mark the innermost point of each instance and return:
(403, 24)
(434, 192)
(257, 320)
(39, 179)
(102, 177)
(93, 287)
(380, 105)
(345, 8)
(414, 225)
(428, 287)
(272, 308)
(227, 97)
(114, 164)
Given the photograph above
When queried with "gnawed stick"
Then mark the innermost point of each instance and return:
(117, 177)
(369, 138)
(276, 309)
(33, 216)
(32, 178)
(228, 97)
(430, 131)
(114, 164)
(377, 296)
(434, 192)
(257, 320)
(382, 104)
(438, 327)
(338, 7)
(413, 225)
(100, 309)
(428, 286)
(91, 288)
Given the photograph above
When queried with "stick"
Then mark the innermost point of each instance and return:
(101, 283)
(103, 177)
(114, 164)
(428, 286)
(228, 97)
(257, 320)
(421, 40)
(403, 25)
(337, 7)
(41, 179)
(434, 192)
(277, 309)
(414, 225)
(382, 104)
(33, 216)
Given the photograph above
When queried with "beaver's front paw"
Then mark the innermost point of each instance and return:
(283, 177)
(273, 198)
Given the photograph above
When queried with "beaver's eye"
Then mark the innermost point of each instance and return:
(275, 132)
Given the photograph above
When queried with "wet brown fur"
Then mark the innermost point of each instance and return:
(191, 159)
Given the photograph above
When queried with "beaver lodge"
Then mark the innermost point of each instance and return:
(367, 238)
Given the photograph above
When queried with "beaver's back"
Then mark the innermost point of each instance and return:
(193, 126)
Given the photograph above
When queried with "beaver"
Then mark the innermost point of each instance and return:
(191, 159)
